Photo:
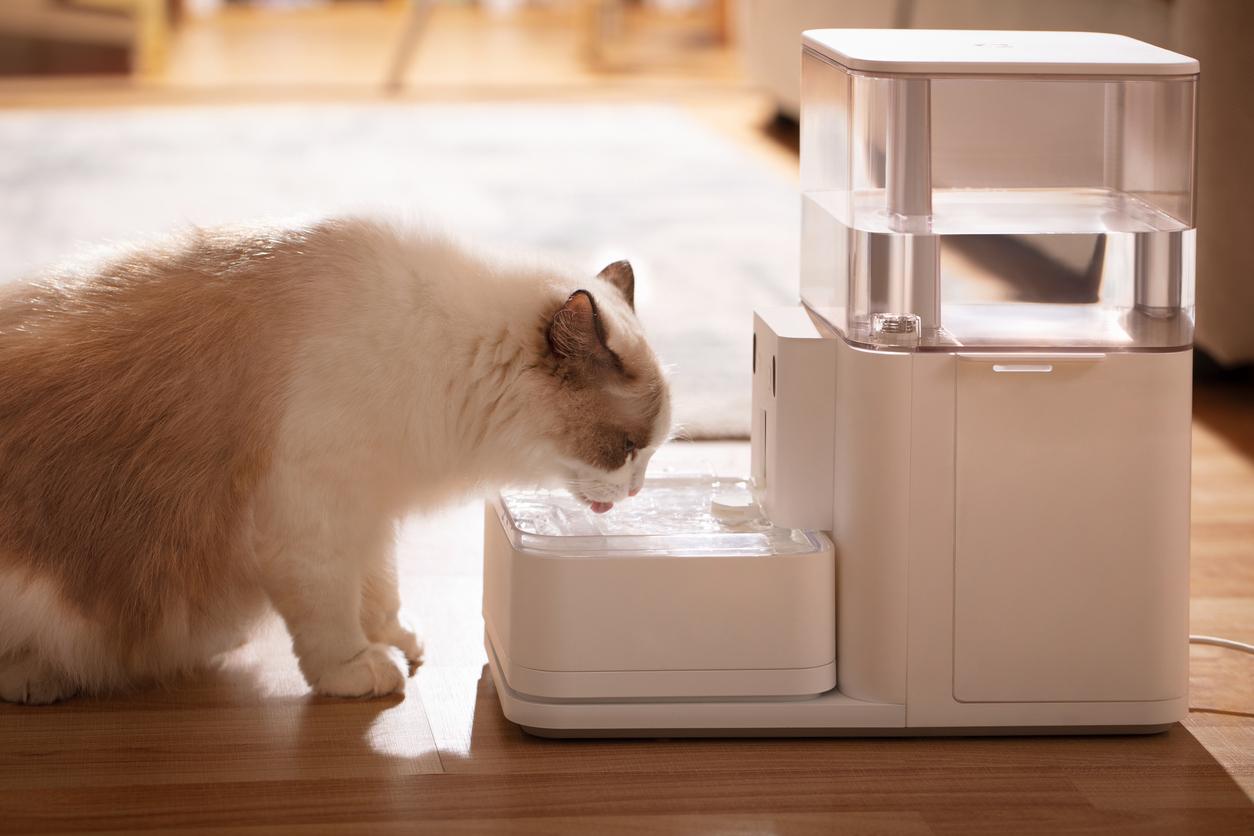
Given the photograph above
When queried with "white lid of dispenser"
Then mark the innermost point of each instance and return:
(983, 52)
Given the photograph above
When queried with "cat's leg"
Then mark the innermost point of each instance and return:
(23, 679)
(381, 614)
(48, 652)
(315, 572)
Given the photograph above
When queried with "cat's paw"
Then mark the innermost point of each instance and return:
(407, 642)
(396, 631)
(25, 681)
(374, 672)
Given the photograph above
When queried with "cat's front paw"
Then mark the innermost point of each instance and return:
(406, 641)
(25, 681)
(374, 672)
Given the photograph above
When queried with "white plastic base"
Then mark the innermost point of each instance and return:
(683, 683)
(831, 714)
(830, 710)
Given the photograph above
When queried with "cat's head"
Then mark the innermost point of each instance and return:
(611, 403)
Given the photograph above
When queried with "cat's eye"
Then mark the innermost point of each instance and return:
(629, 447)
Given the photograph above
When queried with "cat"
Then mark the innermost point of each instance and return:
(238, 418)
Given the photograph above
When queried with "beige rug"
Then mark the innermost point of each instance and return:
(711, 229)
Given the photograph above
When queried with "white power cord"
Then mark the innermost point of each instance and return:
(1218, 642)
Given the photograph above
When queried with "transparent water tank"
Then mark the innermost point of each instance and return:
(998, 190)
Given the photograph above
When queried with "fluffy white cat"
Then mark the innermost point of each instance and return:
(241, 416)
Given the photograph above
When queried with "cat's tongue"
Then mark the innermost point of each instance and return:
(601, 507)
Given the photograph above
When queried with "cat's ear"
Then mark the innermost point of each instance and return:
(622, 277)
(576, 333)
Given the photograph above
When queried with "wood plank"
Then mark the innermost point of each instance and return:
(423, 798)
(782, 824)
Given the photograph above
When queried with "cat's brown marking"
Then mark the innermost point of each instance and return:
(612, 395)
(138, 408)
(623, 278)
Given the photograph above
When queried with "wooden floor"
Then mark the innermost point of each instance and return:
(246, 749)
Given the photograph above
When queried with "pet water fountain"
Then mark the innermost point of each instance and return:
(969, 501)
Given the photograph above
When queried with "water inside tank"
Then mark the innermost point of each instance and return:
(673, 516)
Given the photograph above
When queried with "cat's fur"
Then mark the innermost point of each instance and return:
(241, 416)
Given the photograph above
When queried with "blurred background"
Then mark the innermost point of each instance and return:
(659, 130)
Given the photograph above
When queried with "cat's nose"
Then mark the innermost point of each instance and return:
(633, 491)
